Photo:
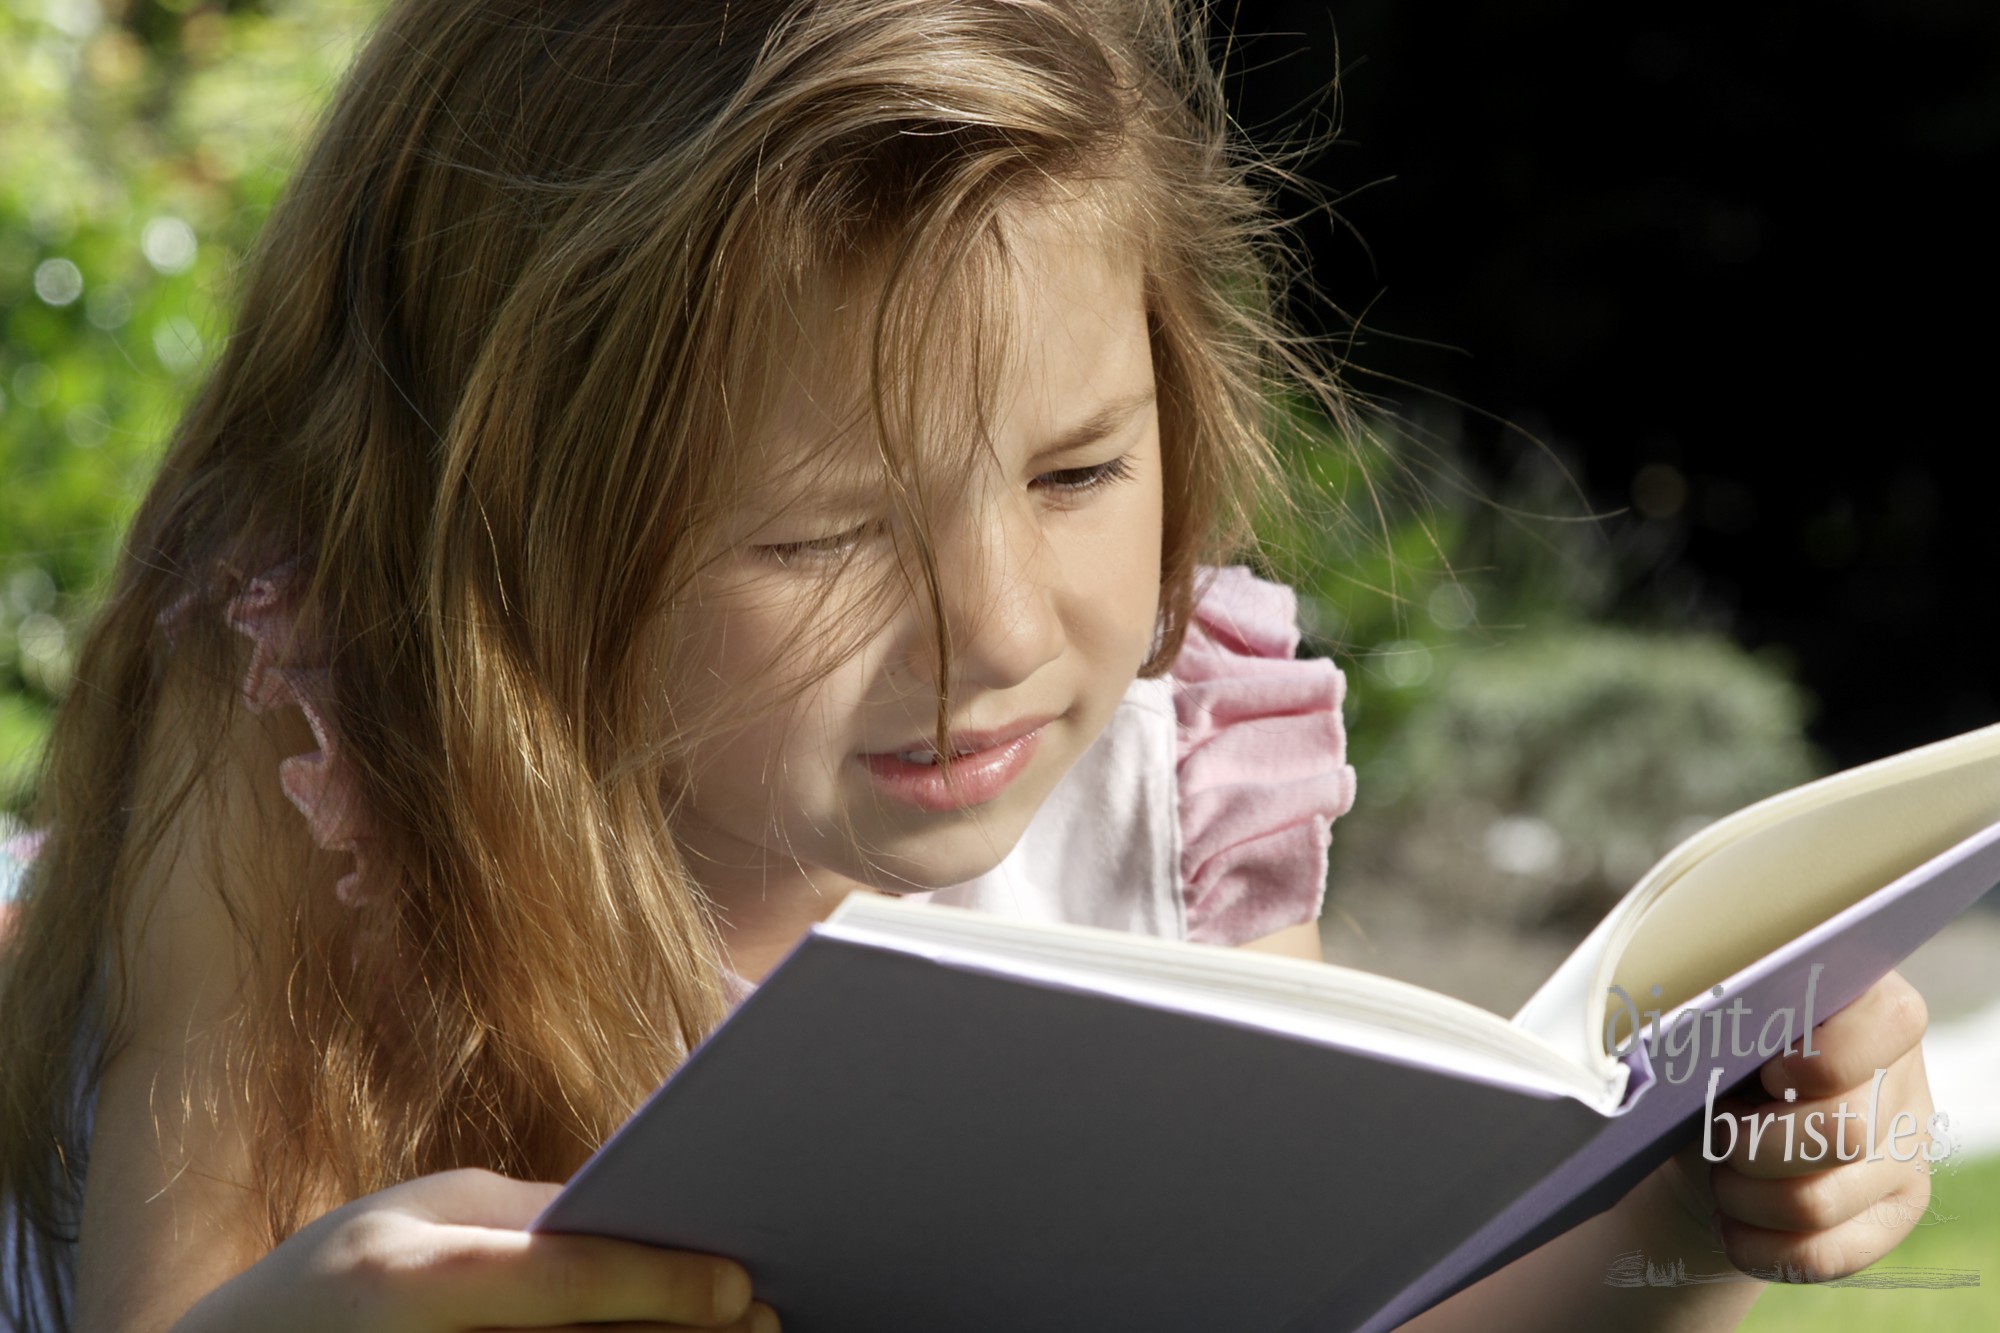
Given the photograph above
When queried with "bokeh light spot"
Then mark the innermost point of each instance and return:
(169, 244)
(1523, 845)
(1659, 490)
(35, 385)
(58, 281)
(177, 343)
(1403, 663)
(1452, 606)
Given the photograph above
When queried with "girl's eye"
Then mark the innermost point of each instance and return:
(1073, 481)
(818, 548)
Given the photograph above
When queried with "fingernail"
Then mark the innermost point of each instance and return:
(763, 1319)
(732, 1288)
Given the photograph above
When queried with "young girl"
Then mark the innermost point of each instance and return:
(676, 466)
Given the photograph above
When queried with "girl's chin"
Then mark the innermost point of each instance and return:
(928, 868)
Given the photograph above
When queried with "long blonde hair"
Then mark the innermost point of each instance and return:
(485, 390)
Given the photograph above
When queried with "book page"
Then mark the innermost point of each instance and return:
(1797, 859)
(1319, 1001)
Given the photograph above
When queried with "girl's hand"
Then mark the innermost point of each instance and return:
(447, 1252)
(1807, 1220)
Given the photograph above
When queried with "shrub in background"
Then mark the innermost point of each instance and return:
(1541, 701)
(1542, 777)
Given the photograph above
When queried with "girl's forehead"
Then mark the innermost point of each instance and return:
(860, 372)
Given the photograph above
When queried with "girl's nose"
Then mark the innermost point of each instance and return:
(998, 584)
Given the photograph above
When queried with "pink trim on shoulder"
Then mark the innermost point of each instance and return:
(281, 675)
(23, 848)
(1262, 762)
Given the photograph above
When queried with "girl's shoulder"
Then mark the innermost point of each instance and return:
(17, 853)
(217, 870)
(216, 846)
(1203, 811)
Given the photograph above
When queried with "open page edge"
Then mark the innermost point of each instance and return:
(1313, 1001)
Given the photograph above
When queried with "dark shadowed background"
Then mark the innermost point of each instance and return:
(1729, 260)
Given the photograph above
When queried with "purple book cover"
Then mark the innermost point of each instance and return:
(887, 1140)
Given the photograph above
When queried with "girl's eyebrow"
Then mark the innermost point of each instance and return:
(1104, 421)
(838, 490)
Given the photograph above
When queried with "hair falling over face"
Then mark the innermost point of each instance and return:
(488, 392)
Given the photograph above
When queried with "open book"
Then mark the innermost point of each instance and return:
(929, 1118)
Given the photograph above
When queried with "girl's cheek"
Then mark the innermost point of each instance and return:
(737, 624)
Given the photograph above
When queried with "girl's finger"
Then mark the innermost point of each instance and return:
(513, 1279)
(1821, 1201)
(1817, 1256)
(1874, 1032)
(1779, 1139)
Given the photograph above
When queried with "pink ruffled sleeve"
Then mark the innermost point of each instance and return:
(284, 672)
(1262, 762)
(17, 853)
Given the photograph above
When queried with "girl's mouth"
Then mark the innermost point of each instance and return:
(982, 766)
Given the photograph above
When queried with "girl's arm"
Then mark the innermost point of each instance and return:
(171, 1229)
(1300, 941)
(168, 1215)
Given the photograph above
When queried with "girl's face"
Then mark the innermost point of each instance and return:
(1050, 578)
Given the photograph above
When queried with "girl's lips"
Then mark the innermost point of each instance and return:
(977, 777)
